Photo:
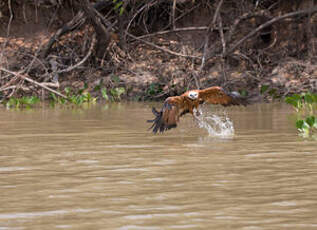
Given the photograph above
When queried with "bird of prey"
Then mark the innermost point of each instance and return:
(177, 106)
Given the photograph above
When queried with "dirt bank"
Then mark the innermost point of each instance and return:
(157, 65)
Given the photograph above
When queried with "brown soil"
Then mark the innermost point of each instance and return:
(148, 73)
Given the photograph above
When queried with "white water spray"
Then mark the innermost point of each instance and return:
(220, 126)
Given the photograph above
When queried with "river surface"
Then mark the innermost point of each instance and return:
(101, 168)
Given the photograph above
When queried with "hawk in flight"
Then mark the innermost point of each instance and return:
(177, 106)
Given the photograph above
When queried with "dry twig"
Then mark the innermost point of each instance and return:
(268, 23)
(91, 48)
(163, 49)
(19, 75)
(8, 29)
(210, 29)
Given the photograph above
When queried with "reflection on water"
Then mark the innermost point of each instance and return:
(101, 168)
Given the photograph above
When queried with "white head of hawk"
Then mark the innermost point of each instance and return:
(193, 95)
(175, 107)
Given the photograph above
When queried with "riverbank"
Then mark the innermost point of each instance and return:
(153, 66)
(150, 74)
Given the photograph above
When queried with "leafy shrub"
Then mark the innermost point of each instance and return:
(113, 94)
(77, 98)
(23, 102)
(305, 106)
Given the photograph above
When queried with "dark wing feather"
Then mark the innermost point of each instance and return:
(168, 117)
(217, 95)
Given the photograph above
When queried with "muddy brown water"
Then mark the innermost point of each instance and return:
(100, 168)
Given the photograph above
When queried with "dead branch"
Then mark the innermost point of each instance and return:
(173, 15)
(223, 42)
(8, 29)
(23, 77)
(261, 13)
(163, 49)
(183, 15)
(99, 23)
(209, 30)
(268, 23)
(222, 37)
(190, 28)
(148, 5)
(72, 25)
(91, 48)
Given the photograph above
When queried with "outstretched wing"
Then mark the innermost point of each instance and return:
(217, 95)
(169, 115)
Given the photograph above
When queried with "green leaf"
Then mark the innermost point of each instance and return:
(291, 101)
(296, 97)
(115, 78)
(97, 88)
(308, 98)
(299, 124)
(80, 91)
(264, 88)
(85, 85)
(67, 91)
(243, 93)
(35, 100)
(272, 92)
(104, 93)
(121, 11)
(53, 96)
(118, 5)
(62, 100)
(120, 91)
(113, 92)
(311, 121)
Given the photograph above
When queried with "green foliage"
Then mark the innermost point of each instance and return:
(153, 89)
(265, 89)
(104, 94)
(243, 92)
(305, 106)
(23, 102)
(81, 98)
(118, 6)
(115, 79)
(56, 100)
(116, 93)
(113, 94)
(296, 101)
(76, 98)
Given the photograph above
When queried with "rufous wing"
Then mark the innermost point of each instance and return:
(217, 95)
(168, 117)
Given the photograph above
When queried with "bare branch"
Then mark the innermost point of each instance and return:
(8, 28)
(31, 81)
(136, 14)
(163, 49)
(92, 45)
(223, 42)
(190, 28)
(243, 17)
(210, 29)
(173, 14)
(268, 23)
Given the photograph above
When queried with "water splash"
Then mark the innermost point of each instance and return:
(220, 126)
